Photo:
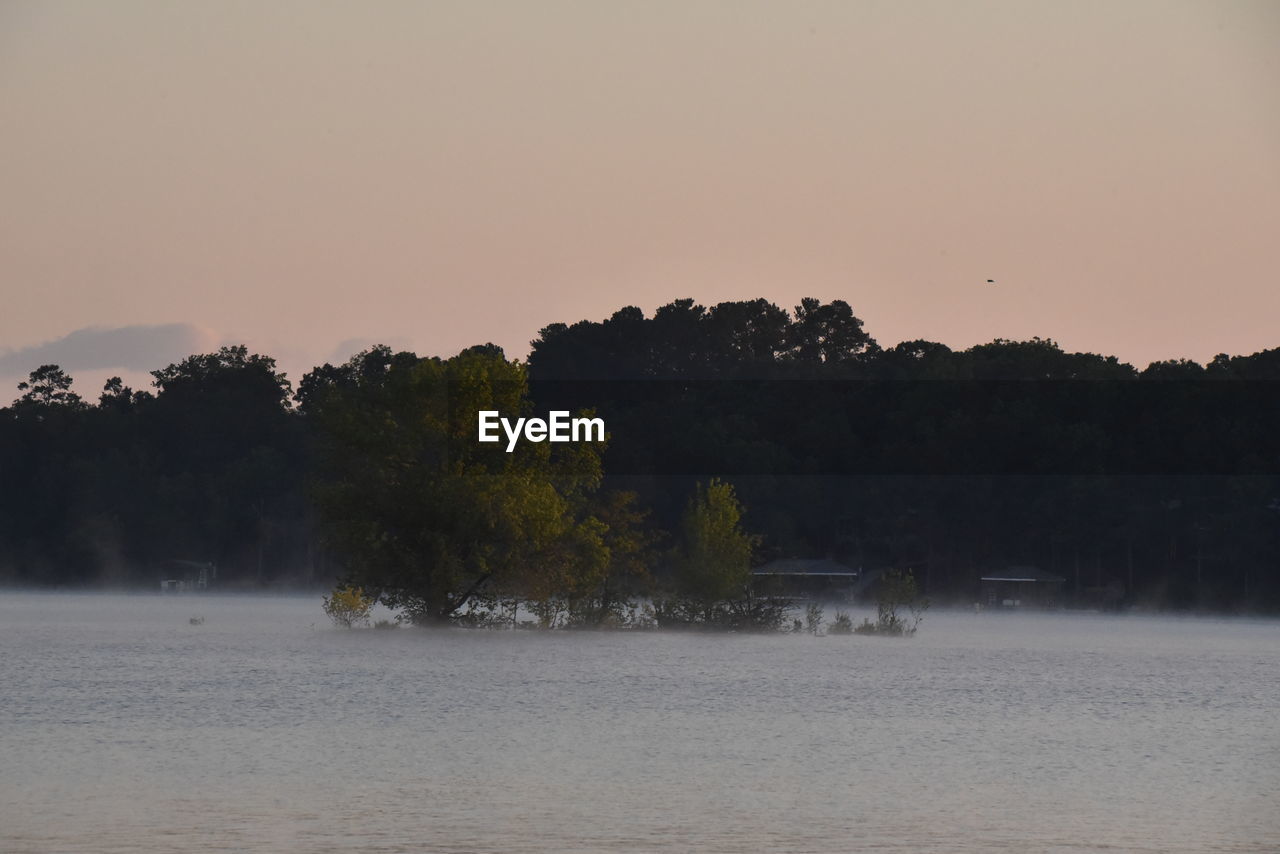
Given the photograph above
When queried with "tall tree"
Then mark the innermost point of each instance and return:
(424, 516)
(828, 333)
(714, 559)
(229, 459)
(47, 385)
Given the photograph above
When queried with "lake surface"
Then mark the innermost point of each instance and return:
(125, 728)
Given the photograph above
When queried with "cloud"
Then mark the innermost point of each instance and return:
(126, 348)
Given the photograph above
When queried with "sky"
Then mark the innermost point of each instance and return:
(309, 178)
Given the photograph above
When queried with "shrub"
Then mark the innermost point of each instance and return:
(897, 590)
(813, 619)
(348, 607)
(842, 625)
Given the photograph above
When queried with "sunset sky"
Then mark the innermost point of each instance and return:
(309, 178)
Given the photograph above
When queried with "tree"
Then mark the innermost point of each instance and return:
(745, 334)
(714, 559)
(1041, 359)
(48, 385)
(897, 591)
(1174, 369)
(604, 596)
(348, 607)
(828, 333)
(425, 517)
(228, 461)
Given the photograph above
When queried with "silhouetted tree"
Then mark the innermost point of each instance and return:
(48, 385)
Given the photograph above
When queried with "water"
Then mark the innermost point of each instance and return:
(125, 728)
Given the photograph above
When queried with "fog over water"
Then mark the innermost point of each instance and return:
(123, 727)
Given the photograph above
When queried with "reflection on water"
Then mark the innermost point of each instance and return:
(123, 727)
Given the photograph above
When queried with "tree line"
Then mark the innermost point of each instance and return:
(739, 432)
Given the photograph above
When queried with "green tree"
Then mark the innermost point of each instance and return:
(348, 607)
(603, 596)
(425, 517)
(714, 559)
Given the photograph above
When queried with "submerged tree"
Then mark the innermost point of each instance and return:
(713, 565)
(714, 562)
(603, 596)
(897, 592)
(425, 517)
(348, 607)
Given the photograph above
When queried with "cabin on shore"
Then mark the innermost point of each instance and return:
(807, 578)
(1021, 587)
(186, 576)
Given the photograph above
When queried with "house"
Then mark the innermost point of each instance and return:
(1021, 587)
(811, 578)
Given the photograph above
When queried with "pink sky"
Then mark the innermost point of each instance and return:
(309, 177)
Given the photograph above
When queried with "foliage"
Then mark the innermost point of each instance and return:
(348, 607)
(684, 339)
(842, 625)
(108, 493)
(713, 562)
(48, 385)
(897, 591)
(230, 371)
(606, 597)
(813, 619)
(423, 515)
(755, 613)
(748, 612)
(1159, 485)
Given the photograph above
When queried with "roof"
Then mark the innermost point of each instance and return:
(807, 566)
(1023, 573)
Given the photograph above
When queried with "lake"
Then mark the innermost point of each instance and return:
(125, 728)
